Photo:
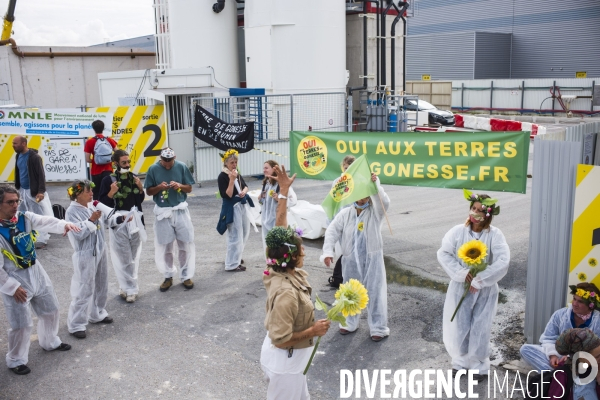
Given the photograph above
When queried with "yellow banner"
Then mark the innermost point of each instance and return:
(585, 239)
(139, 130)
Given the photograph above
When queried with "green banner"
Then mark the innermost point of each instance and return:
(494, 161)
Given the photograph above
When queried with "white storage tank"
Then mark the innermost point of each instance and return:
(200, 37)
(295, 46)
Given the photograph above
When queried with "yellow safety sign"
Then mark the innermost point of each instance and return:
(425, 77)
(8, 155)
(581, 74)
(585, 238)
(139, 130)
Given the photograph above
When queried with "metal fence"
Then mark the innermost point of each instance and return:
(274, 116)
(528, 96)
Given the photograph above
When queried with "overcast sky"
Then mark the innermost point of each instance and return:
(79, 22)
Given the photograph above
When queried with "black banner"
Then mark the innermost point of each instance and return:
(221, 134)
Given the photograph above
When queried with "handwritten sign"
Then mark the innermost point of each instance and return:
(64, 159)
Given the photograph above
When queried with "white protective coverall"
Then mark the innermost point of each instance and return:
(269, 210)
(89, 285)
(467, 338)
(44, 207)
(538, 355)
(40, 297)
(362, 252)
(174, 223)
(125, 249)
(237, 236)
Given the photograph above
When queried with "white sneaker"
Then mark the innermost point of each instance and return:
(131, 298)
(123, 294)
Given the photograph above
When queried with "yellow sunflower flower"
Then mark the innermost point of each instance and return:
(472, 252)
(354, 295)
(361, 226)
(592, 262)
(271, 192)
(582, 277)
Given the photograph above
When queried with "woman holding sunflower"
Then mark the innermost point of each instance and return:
(290, 319)
(467, 336)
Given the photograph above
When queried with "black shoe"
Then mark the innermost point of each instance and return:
(79, 334)
(63, 347)
(21, 369)
(333, 283)
(106, 320)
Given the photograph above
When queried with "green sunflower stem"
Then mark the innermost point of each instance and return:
(312, 355)
(460, 302)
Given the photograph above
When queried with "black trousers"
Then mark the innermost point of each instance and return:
(97, 179)
(337, 279)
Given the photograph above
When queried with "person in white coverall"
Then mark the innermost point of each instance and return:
(89, 285)
(358, 229)
(269, 198)
(124, 192)
(168, 182)
(24, 283)
(581, 313)
(467, 338)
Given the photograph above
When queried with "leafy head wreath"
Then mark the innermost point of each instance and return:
(280, 236)
(490, 204)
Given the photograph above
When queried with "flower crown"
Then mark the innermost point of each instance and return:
(78, 187)
(228, 153)
(591, 297)
(280, 236)
(490, 204)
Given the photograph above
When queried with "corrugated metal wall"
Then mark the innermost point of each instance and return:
(208, 162)
(447, 56)
(492, 55)
(508, 92)
(551, 38)
(552, 195)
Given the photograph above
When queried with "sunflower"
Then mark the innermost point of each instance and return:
(582, 277)
(361, 226)
(354, 297)
(592, 262)
(472, 252)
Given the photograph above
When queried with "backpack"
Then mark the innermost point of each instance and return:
(59, 211)
(102, 151)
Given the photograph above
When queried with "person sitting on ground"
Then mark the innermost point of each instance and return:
(581, 313)
(571, 342)
(290, 318)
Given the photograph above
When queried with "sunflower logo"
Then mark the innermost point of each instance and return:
(361, 226)
(592, 262)
(354, 296)
(472, 252)
(582, 277)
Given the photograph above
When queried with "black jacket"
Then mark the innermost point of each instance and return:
(35, 169)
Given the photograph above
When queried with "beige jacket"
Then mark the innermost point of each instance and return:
(289, 306)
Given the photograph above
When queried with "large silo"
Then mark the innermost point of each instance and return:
(296, 46)
(201, 37)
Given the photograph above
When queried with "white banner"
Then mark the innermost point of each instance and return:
(18, 121)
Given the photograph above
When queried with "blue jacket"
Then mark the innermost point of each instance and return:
(226, 216)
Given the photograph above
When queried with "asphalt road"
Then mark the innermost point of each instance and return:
(205, 343)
